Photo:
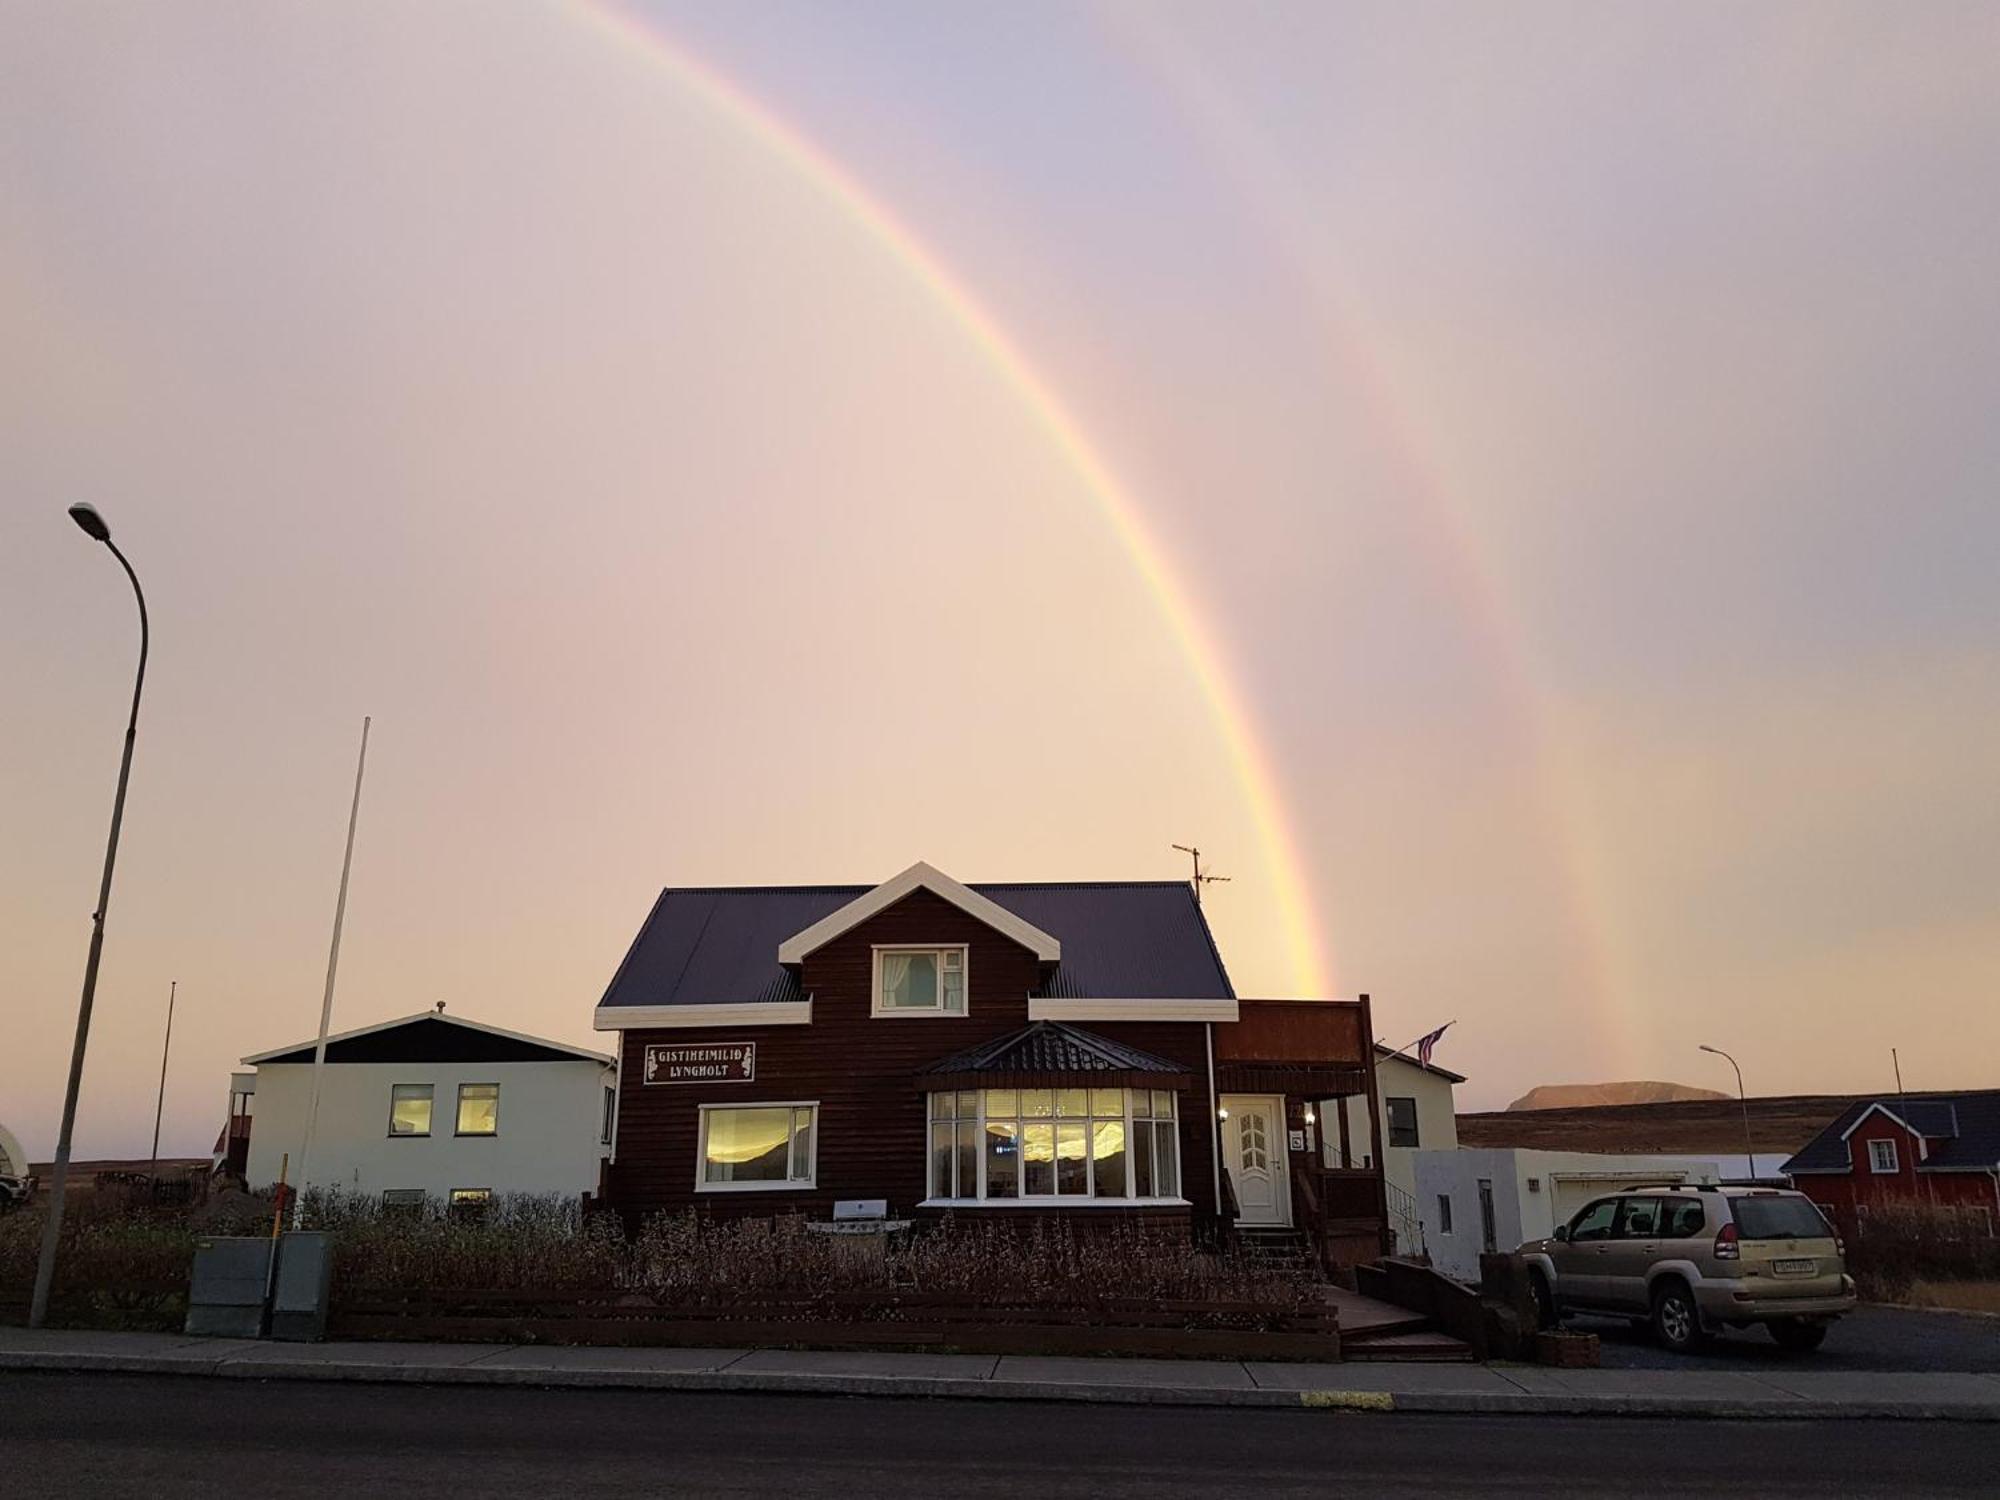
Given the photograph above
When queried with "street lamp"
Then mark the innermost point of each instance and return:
(1742, 1098)
(94, 527)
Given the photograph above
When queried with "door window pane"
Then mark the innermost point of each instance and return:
(410, 1109)
(1594, 1223)
(1642, 1218)
(1072, 1166)
(1142, 1160)
(1107, 1158)
(478, 1108)
(1003, 1159)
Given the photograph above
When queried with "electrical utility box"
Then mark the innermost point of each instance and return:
(304, 1286)
(231, 1277)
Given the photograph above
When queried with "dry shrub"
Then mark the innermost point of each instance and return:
(113, 1270)
(1897, 1246)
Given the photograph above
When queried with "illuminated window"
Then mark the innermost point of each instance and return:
(756, 1146)
(410, 1109)
(469, 1203)
(1054, 1144)
(919, 981)
(479, 1109)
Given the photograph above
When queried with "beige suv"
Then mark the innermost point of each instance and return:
(1690, 1261)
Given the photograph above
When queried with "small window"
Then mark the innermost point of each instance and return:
(754, 1146)
(1641, 1219)
(610, 1111)
(410, 1109)
(1594, 1223)
(479, 1109)
(469, 1203)
(404, 1201)
(1882, 1157)
(1444, 1213)
(920, 981)
(1402, 1122)
(1686, 1219)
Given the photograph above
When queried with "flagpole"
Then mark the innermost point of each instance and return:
(332, 964)
(1404, 1050)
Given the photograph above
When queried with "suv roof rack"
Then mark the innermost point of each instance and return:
(1672, 1186)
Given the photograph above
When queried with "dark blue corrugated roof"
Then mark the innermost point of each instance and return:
(1128, 940)
(1051, 1047)
(1959, 1130)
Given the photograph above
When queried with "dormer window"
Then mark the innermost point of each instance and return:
(919, 981)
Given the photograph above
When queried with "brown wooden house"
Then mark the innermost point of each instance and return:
(923, 1047)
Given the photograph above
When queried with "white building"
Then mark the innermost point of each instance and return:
(431, 1104)
(13, 1160)
(1477, 1199)
(1418, 1115)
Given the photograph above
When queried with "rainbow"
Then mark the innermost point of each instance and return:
(1311, 972)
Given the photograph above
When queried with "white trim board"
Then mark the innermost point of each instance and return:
(432, 1015)
(1086, 1008)
(794, 949)
(703, 1017)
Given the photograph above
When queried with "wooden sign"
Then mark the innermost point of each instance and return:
(716, 1062)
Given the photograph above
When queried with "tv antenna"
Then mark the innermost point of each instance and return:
(1200, 879)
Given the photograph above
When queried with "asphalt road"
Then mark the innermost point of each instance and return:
(1869, 1338)
(175, 1435)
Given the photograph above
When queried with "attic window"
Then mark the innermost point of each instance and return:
(920, 981)
(1882, 1157)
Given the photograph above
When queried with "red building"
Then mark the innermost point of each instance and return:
(923, 1046)
(1933, 1150)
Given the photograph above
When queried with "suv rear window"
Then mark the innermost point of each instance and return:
(1779, 1219)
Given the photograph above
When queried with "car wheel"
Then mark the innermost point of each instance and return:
(1798, 1335)
(1676, 1322)
(1543, 1299)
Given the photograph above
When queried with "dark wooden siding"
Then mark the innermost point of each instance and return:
(862, 1071)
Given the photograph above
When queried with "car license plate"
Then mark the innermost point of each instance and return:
(1794, 1267)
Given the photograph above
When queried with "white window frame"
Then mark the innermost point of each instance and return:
(458, 1110)
(790, 1184)
(430, 1124)
(1084, 1200)
(938, 950)
(1875, 1159)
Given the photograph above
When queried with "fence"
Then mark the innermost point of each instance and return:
(986, 1324)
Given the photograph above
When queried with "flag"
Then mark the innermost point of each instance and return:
(1425, 1044)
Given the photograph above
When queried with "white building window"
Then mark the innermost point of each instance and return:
(410, 1108)
(1402, 1122)
(1444, 1213)
(756, 1146)
(920, 981)
(478, 1109)
(403, 1201)
(610, 1112)
(1054, 1145)
(1882, 1156)
(469, 1203)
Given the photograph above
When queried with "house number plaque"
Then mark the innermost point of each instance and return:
(720, 1062)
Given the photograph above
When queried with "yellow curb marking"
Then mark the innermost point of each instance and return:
(1348, 1400)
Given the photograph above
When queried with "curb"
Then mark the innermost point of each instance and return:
(1439, 1403)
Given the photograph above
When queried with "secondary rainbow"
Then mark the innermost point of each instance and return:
(1311, 972)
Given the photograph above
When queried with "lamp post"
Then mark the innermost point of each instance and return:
(1744, 1100)
(93, 526)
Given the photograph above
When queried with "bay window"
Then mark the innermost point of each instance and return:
(1054, 1145)
(768, 1146)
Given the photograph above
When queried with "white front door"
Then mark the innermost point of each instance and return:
(1253, 1145)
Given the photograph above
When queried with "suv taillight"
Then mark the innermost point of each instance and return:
(1726, 1247)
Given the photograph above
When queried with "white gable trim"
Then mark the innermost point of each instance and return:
(793, 950)
(431, 1015)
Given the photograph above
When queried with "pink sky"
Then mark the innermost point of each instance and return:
(1570, 438)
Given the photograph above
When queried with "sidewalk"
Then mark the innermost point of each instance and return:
(1521, 1389)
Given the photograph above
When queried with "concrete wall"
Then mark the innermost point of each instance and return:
(1533, 1191)
(549, 1138)
(1437, 1129)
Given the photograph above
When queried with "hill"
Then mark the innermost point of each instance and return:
(1596, 1095)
